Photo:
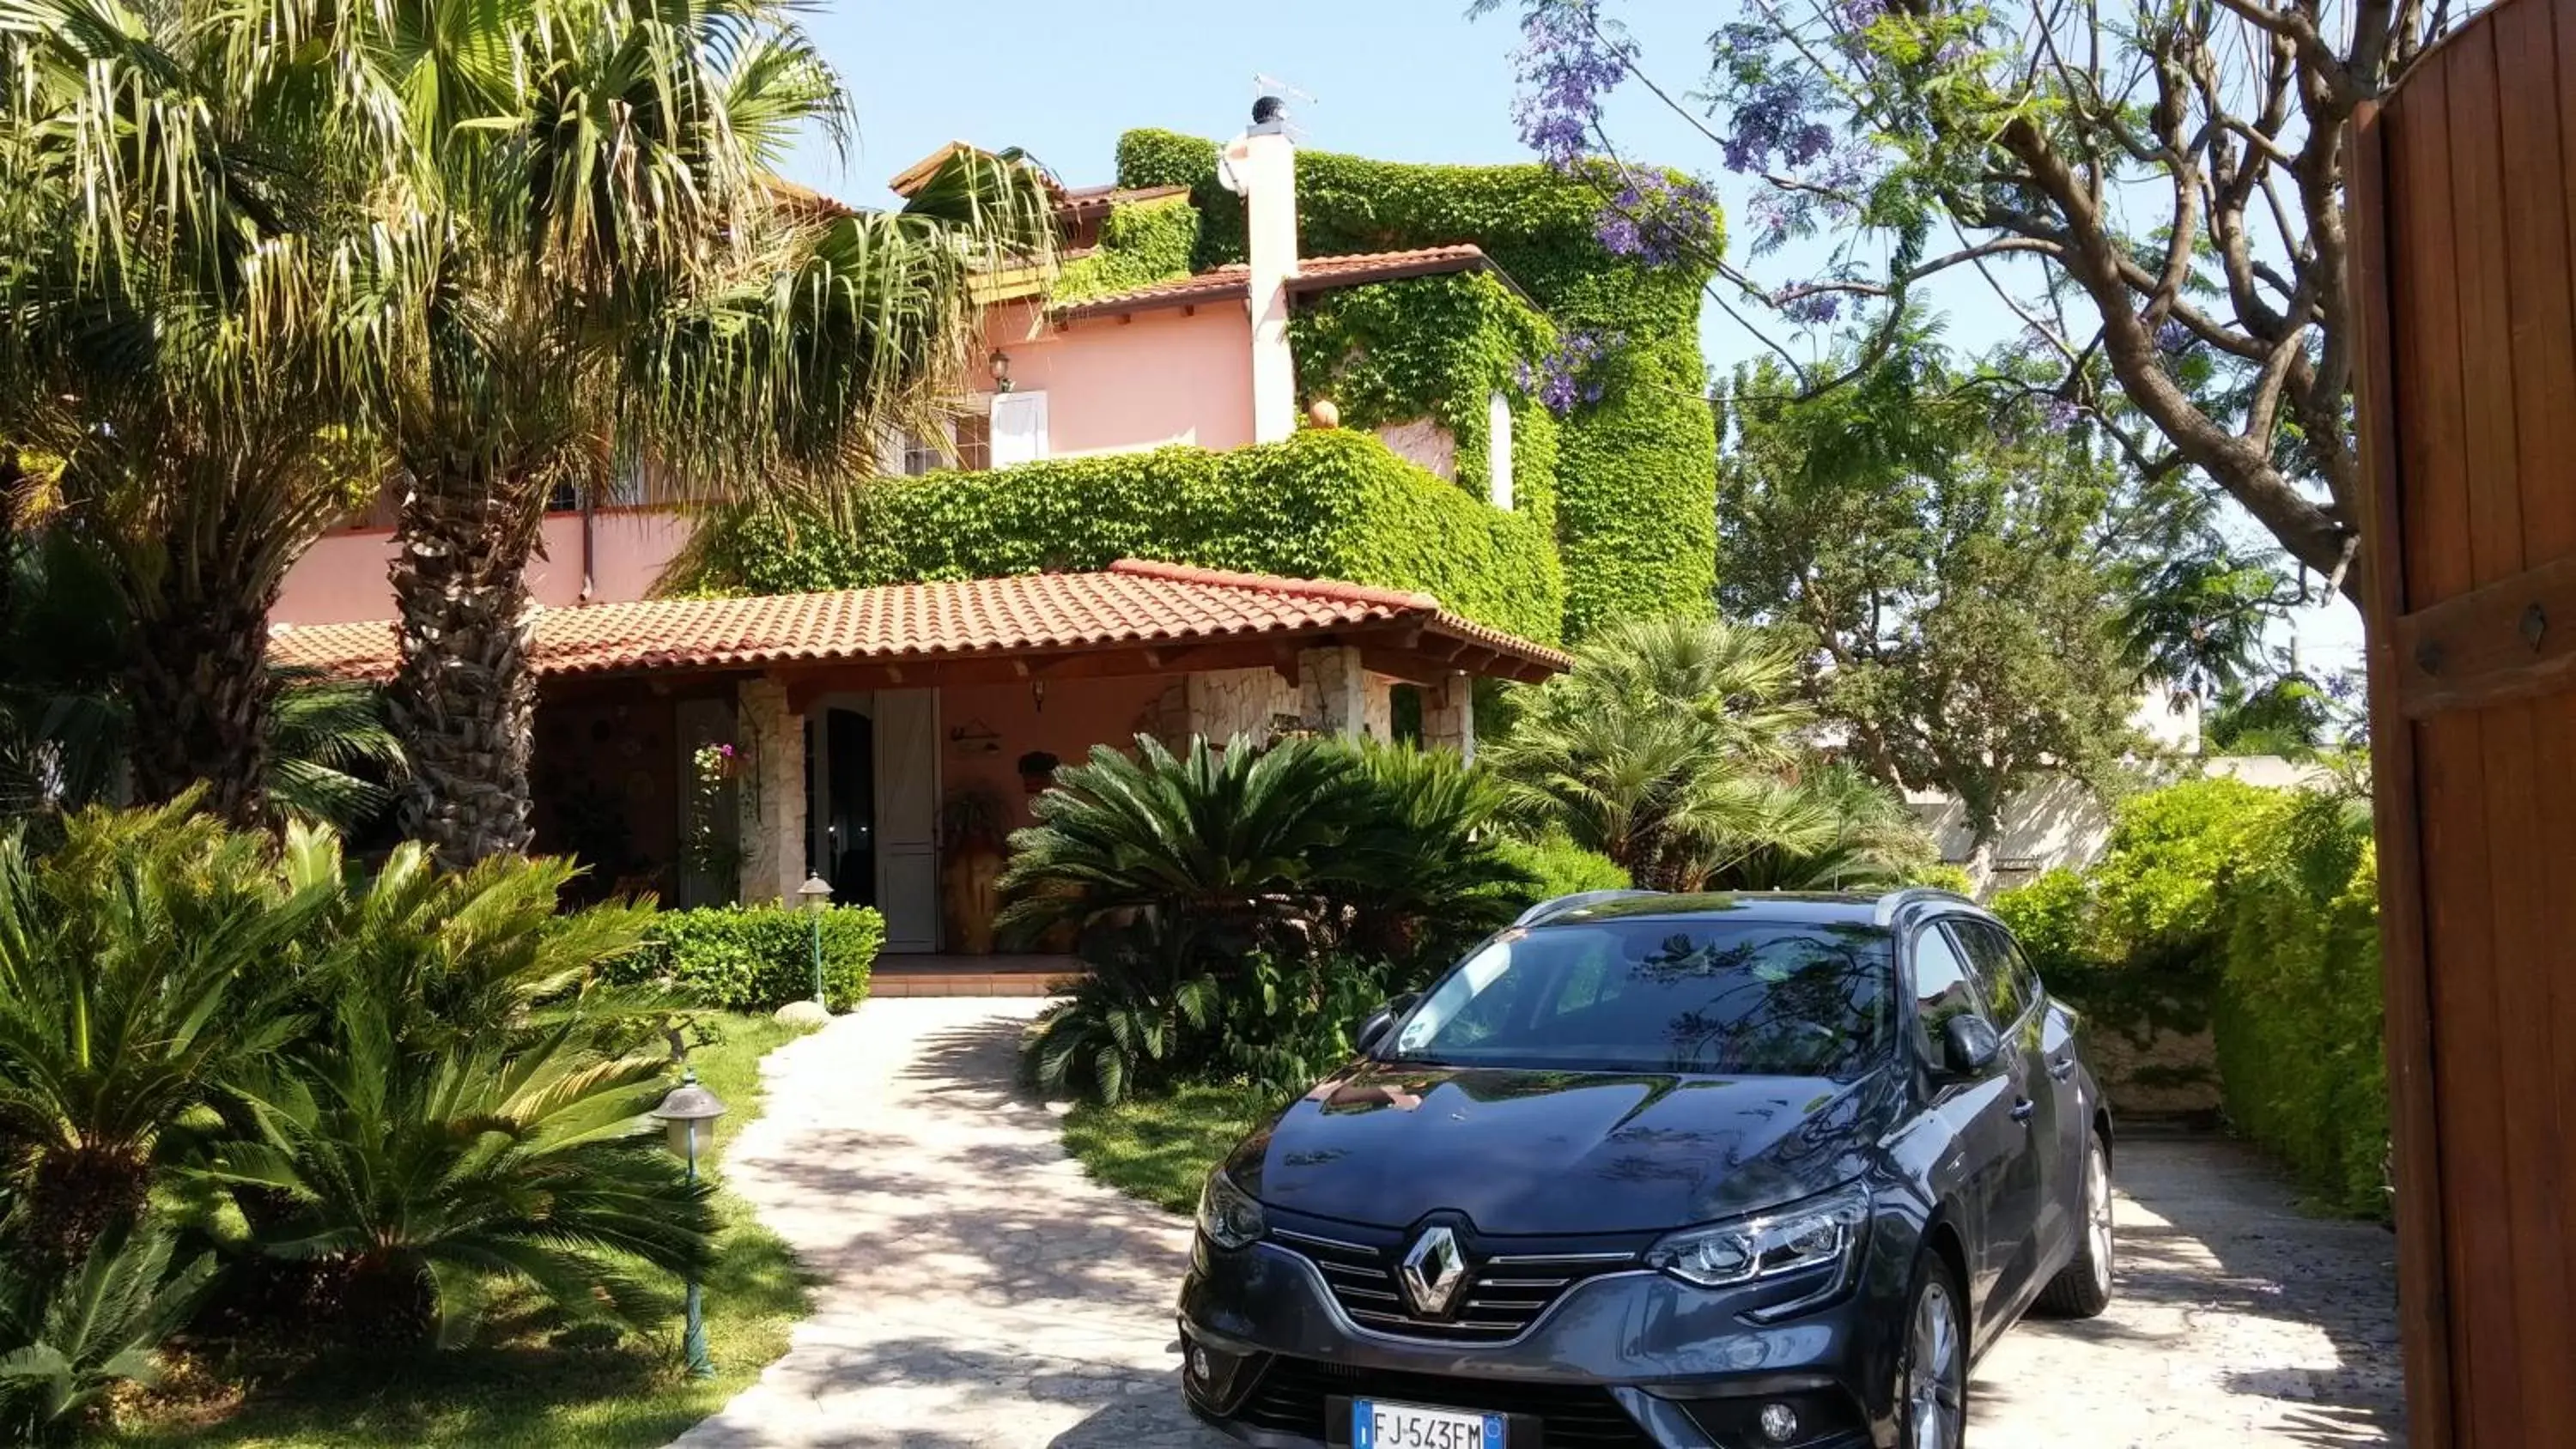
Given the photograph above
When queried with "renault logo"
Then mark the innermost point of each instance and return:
(1433, 1269)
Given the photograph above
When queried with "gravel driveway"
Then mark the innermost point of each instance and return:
(982, 1292)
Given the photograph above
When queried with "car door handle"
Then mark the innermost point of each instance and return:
(2061, 1070)
(2022, 1109)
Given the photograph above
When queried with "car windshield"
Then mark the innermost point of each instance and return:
(1735, 997)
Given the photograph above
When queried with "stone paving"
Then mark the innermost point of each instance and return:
(981, 1292)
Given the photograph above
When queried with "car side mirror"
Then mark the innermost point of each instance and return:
(1380, 1020)
(1968, 1045)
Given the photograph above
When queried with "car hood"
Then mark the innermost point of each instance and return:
(1553, 1152)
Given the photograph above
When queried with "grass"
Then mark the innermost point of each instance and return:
(1160, 1148)
(522, 1384)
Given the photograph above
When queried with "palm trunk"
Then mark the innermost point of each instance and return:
(199, 686)
(462, 698)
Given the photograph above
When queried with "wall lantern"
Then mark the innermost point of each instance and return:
(1000, 363)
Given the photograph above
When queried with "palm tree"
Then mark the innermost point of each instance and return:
(1665, 749)
(158, 196)
(580, 264)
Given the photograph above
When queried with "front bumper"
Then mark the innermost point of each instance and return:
(1625, 1360)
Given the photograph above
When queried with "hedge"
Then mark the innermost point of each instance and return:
(1636, 469)
(2253, 913)
(1140, 243)
(1326, 504)
(758, 958)
(1438, 347)
(1561, 867)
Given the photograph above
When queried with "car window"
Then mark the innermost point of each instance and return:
(2010, 984)
(1745, 997)
(1942, 985)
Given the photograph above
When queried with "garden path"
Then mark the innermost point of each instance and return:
(981, 1292)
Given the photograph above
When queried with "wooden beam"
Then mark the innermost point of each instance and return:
(2508, 640)
(1406, 665)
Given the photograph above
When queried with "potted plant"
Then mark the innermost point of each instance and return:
(971, 829)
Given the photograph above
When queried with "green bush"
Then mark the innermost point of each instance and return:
(758, 958)
(1140, 243)
(1326, 504)
(1943, 876)
(1637, 468)
(1561, 867)
(2252, 912)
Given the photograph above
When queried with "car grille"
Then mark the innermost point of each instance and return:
(1503, 1295)
(1290, 1399)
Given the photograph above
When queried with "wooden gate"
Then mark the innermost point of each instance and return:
(2465, 280)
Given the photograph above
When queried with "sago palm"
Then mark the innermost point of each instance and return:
(143, 973)
(409, 1183)
(67, 1340)
(1234, 841)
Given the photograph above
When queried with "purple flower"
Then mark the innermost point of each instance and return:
(2061, 413)
(1566, 63)
(1571, 374)
(1814, 309)
(1658, 219)
(2173, 339)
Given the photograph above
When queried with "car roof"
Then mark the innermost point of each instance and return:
(1810, 908)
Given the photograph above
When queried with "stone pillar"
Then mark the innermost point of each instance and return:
(1449, 716)
(773, 798)
(1335, 689)
(1224, 703)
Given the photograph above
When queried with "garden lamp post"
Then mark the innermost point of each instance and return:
(815, 895)
(687, 1111)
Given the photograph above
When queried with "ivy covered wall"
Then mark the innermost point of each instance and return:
(1637, 451)
(1140, 242)
(1438, 347)
(1329, 504)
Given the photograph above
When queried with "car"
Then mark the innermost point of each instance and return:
(1755, 1171)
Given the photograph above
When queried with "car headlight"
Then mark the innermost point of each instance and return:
(1228, 1215)
(1803, 1235)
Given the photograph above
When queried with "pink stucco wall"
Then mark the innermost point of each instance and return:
(1118, 386)
(1077, 714)
(342, 578)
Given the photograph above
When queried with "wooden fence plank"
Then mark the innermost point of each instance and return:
(2423, 1303)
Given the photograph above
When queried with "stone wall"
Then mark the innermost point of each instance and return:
(1254, 703)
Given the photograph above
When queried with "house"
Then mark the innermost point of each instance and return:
(715, 749)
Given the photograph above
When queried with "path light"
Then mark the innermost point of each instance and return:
(815, 897)
(687, 1112)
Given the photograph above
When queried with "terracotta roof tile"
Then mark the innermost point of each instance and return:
(1132, 602)
(1314, 274)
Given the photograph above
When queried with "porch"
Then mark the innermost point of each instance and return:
(889, 739)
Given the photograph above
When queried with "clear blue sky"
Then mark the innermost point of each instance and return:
(1406, 80)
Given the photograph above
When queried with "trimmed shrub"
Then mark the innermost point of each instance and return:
(1326, 504)
(2252, 913)
(1561, 867)
(758, 958)
(2297, 1019)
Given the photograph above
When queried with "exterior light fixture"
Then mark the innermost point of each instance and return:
(1000, 363)
(687, 1112)
(814, 897)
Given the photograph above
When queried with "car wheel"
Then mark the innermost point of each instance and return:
(2083, 1287)
(1932, 1379)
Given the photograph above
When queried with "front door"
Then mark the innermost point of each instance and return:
(907, 812)
(872, 766)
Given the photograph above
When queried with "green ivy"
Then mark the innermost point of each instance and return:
(1438, 347)
(1140, 243)
(1636, 471)
(757, 958)
(1326, 504)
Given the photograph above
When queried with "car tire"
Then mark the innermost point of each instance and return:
(2082, 1289)
(1932, 1364)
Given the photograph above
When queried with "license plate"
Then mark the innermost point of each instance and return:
(1379, 1425)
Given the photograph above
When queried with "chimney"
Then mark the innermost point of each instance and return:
(1261, 166)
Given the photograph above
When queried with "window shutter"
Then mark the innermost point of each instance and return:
(1019, 428)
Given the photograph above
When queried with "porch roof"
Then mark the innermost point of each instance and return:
(1134, 604)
